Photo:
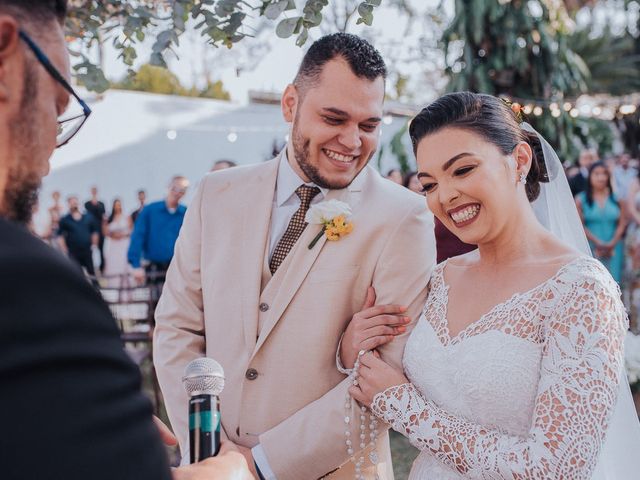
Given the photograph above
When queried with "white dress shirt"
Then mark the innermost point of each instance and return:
(285, 204)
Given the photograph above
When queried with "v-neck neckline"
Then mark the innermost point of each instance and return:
(462, 334)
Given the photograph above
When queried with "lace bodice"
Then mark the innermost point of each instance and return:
(525, 392)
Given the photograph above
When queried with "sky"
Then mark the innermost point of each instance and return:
(274, 61)
(279, 57)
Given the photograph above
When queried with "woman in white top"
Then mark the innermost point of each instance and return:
(117, 232)
(514, 369)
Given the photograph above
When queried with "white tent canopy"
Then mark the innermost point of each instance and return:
(137, 140)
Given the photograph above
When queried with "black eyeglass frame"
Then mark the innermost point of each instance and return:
(51, 70)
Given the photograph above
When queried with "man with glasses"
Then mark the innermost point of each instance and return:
(70, 400)
(156, 231)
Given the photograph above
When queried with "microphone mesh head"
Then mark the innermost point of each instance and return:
(203, 376)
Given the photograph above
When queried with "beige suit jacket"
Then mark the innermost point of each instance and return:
(220, 301)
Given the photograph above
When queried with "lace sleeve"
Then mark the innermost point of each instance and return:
(580, 371)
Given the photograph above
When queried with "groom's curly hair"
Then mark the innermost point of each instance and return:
(363, 59)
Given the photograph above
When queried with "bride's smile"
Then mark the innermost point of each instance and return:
(465, 214)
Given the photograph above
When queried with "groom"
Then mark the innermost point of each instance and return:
(245, 288)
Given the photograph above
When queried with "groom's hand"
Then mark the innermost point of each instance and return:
(372, 327)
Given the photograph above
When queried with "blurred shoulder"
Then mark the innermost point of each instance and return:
(385, 191)
(589, 271)
(239, 175)
(19, 245)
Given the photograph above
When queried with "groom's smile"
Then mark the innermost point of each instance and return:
(335, 124)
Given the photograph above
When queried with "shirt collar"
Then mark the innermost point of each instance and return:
(288, 181)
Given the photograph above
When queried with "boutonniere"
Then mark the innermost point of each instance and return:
(333, 216)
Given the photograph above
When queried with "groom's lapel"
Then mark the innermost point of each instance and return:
(301, 259)
(256, 220)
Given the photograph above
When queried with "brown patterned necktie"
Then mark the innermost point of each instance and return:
(295, 228)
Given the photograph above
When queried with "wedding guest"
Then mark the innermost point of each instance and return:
(623, 176)
(78, 235)
(97, 209)
(604, 219)
(632, 255)
(117, 230)
(49, 232)
(222, 165)
(142, 198)
(156, 231)
(411, 182)
(71, 405)
(578, 182)
(395, 176)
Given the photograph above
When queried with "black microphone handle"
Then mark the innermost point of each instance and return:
(204, 427)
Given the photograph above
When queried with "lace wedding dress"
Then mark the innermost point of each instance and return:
(525, 392)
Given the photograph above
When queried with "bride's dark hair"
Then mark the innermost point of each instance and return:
(488, 117)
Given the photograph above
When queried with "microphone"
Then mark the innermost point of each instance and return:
(203, 380)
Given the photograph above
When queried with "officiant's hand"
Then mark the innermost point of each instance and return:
(167, 436)
(372, 327)
(228, 464)
(249, 458)
(374, 376)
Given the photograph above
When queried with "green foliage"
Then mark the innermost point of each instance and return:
(613, 65)
(215, 90)
(495, 47)
(127, 22)
(525, 50)
(399, 150)
(153, 79)
(570, 135)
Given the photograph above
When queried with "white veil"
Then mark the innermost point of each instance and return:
(556, 210)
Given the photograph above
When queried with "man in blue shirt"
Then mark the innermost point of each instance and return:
(156, 231)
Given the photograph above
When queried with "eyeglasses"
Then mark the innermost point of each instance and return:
(69, 124)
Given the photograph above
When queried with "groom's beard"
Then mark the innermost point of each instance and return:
(301, 153)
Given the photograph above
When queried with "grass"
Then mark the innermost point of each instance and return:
(402, 455)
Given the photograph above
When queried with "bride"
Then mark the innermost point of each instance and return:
(515, 368)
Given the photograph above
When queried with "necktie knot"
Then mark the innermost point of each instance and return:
(306, 195)
(295, 228)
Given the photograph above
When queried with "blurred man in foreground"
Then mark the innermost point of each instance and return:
(70, 400)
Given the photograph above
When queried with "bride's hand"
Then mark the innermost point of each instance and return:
(374, 376)
(373, 326)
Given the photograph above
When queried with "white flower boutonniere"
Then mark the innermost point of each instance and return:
(333, 216)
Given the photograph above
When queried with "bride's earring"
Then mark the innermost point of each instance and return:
(523, 178)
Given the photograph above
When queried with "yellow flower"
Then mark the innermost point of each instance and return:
(334, 229)
(337, 228)
(339, 221)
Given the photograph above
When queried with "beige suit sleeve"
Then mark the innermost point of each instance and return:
(311, 443)
(179, 334)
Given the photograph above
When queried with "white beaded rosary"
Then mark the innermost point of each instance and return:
(373, 424)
